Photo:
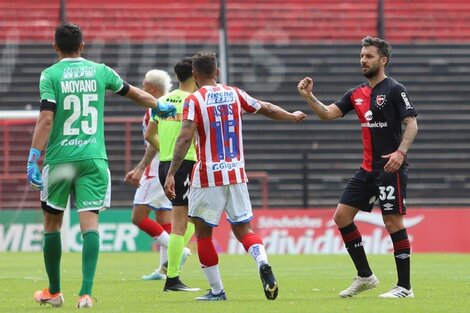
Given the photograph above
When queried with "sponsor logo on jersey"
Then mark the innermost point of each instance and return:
(226, 166)
(369, 116)
(252, 101)
(407, 102)
(375, 125)
(79, 72)
(358, 101)
(77, 142)
(380, 100)
(221, 97)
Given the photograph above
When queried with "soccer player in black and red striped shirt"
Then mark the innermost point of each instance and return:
(383, 107)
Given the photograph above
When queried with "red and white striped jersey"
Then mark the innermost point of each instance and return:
(152, 169)
(217, 111)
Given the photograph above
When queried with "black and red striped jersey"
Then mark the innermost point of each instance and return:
(380, 110)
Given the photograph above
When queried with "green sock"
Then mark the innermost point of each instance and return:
(175, 252)
(91, 247)
(189, 233)
(52, 249)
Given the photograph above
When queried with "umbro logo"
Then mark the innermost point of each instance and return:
(388, 206)
(358, 101)
(402, 256)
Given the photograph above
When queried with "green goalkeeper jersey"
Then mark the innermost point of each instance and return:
(169, 128)
(77, 87)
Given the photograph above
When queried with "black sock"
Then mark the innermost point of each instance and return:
(353, 242)
(402, 250)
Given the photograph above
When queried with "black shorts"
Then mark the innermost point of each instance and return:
(364, 188)
(182, 178)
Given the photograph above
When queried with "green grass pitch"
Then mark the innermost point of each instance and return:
(308, 283)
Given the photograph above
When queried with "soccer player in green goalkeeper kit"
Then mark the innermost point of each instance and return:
(71, 123)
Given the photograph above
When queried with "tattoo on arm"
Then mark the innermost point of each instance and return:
(313, 101)
(409, 134)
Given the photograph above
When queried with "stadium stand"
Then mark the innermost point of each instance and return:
(427, 21)
(272, 46)
(436, 76)
(196, 21)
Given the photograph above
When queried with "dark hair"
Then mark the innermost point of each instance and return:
(68, 37)
(383, 46)
(205, 63)
(184, 69)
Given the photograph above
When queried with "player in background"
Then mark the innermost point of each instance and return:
(149, 194)
(382, 106)
(168, 130)
(71, 123)
(213, 113)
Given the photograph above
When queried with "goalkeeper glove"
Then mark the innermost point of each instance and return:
(164, 110)
(34, 175)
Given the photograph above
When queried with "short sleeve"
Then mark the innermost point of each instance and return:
(248, 103)
(114, 82)
(344, 103)
(402, 102)
(46, 87)
(190, 111)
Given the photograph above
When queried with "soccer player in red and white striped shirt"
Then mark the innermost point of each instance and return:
(214, 115)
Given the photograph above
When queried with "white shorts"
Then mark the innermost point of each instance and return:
(152, 194)
(208, 203)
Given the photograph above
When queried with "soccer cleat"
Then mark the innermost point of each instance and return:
(175, 284)
(270, 285)
(44, 297)
(398, 292)
(85, 301)
(158, 274)
(212, 297)
(359, 285)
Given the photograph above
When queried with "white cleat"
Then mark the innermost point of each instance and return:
(398, 292)
(360, 284)
(158, 274)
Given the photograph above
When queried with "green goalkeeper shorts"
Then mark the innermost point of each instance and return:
(87, 182)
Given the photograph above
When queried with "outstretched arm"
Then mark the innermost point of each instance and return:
(277, 113)
(141, 97)
(146, 100)
(324, 112)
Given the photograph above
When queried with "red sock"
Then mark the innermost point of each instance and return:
(251, 239)
(167, 228)
(151, 227)
(207, 254)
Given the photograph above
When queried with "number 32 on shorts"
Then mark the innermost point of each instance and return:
(387, 193)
